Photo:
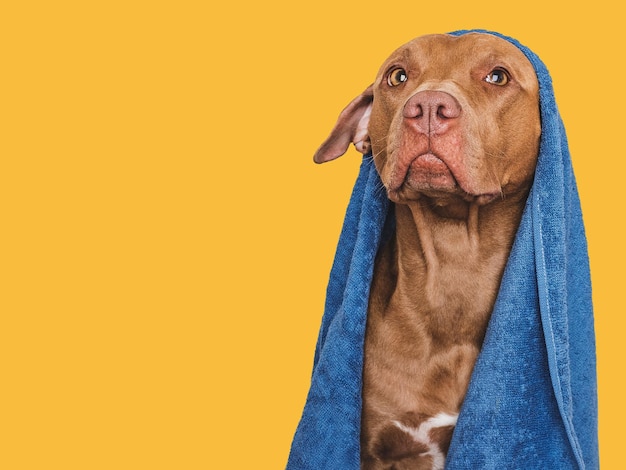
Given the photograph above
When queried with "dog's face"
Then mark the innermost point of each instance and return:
(447, 118)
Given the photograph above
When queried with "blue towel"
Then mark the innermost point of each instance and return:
(532, 401)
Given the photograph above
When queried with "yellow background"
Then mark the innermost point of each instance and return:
(167, 238)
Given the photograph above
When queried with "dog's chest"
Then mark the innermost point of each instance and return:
(426, 322)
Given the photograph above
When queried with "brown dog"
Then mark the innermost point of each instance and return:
(453, 125)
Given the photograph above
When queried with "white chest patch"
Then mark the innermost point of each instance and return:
(421, 434)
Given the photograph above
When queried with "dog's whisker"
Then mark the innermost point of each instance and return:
(499, 155)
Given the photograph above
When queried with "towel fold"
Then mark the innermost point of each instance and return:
(532, 401)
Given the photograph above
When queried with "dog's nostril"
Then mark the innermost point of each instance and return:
(448, 110)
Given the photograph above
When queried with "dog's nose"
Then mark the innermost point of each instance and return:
(432, 111)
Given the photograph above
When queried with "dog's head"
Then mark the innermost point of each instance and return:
(447, 117)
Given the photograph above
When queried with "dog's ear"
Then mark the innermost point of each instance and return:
(351, 127)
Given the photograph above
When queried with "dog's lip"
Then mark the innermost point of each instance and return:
(429, 164)
(432, 163)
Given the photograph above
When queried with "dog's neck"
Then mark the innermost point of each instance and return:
(450, 258)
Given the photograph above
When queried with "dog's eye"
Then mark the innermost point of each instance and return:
(497, 77)
(397, 77)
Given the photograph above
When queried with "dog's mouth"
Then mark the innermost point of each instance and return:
(429, 171)
(428, 174)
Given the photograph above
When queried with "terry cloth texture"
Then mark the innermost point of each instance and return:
(532, 401)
